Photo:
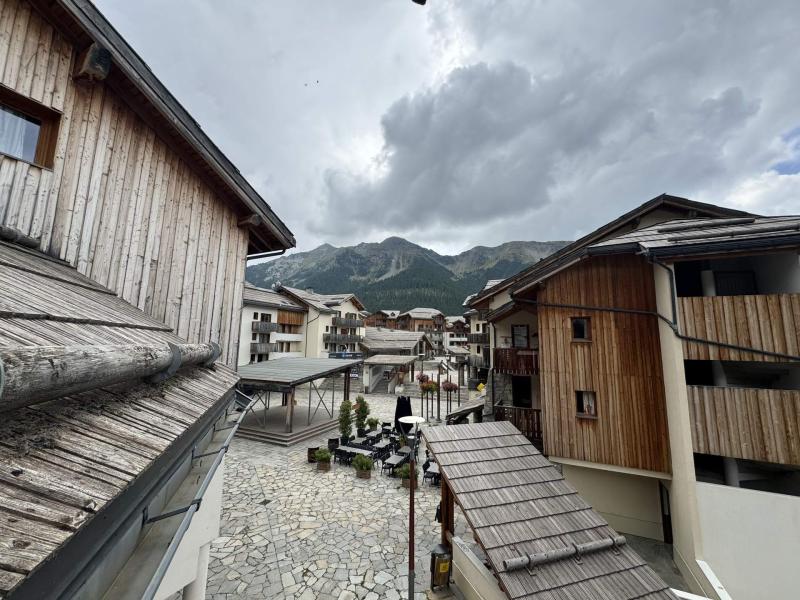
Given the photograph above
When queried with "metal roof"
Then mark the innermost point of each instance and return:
(389, 360)
(270, 298)
(682, 237)
(79, 460)
(291, 372)
(422, 313)
(378, 339)
(517, 503)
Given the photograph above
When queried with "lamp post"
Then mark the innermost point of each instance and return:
(414, 422)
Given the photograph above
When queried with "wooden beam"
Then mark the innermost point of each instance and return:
(448, 513)
(289, 411)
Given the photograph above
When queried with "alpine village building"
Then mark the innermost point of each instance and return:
(655, 360)
(124, 233)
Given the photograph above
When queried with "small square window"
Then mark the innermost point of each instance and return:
(581, 328)
(586, 404)
(28, 129)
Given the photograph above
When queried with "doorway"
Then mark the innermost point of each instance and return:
(521, 391)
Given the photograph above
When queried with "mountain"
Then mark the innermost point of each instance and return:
(398, 274)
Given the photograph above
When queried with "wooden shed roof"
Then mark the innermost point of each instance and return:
(517, 503)
(290, 372)
(390, 359)
(66, 462)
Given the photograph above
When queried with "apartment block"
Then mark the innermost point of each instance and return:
(273, 326)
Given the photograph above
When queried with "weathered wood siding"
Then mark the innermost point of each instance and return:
(119, 204)
(768, 322)
(621, 364)
(753, 424)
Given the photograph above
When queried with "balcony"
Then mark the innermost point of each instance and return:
(286, 337)
(747, 423)
(262, 348)
(477, 361)
(341, 338)
(765, 322)
(516, 361)
(527, 420)
(346, 322)
(478, 338)
(264, 327)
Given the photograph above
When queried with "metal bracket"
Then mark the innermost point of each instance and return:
(171, 369)
(215, 353)
(172, 513)
(578, 554)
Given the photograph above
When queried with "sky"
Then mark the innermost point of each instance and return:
(467, 122)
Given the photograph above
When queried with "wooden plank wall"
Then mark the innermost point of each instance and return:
(753, 424)
(621, 364)
(288, 317)
(119, 204)
(768, 322)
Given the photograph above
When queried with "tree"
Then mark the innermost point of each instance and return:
(362, 412)
(346, 419)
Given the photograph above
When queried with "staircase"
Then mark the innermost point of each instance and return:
(287, 439)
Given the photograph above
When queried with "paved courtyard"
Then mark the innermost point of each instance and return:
(289, 532)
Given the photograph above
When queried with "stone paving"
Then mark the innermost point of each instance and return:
(291, 533)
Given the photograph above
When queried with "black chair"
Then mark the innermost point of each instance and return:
(333, 444)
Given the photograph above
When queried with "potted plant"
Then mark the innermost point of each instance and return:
(405, 475)
(323, 458)
(363, 465)
(362, 412)
(346, 421)
(372, 423)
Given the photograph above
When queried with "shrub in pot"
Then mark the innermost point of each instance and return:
(323, 458)
(362, 412)
(372, 423)
(345, 420)
(405, 475)
(363, 465)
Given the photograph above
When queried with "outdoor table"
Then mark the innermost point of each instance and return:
(394, 461)
(404, 450)
(433, 473)
(358, 440)
(352, 450)
(382, 444)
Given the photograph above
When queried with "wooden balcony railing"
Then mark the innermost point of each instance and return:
(262, 348)
(516, 361)
(341, 338)
(346, 322)
(767, 322)
(527, 420)
(747, 423)
(478, 338)
(264, 327)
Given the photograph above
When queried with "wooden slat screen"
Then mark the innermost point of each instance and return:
(747, 423)
(287, 317)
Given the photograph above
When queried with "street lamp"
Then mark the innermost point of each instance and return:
(414, 422)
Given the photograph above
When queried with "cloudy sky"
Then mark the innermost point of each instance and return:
(471, 122)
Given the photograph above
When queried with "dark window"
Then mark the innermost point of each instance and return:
(255, 337)
(255, 316)
(519, 336)
(735, 283)
(581, 328)
(252, 358)
(28, 129)
(585, 404)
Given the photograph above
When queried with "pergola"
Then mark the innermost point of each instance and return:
(285, 375)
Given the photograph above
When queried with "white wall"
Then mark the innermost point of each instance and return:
(473, 580)
(751, 540)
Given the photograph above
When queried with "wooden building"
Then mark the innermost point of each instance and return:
(385, 319)
(656, 361)
(123, 238)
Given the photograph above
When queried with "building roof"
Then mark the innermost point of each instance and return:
(517, 503)
(390, 360)
(455, 319)
(458, 350)
(391, 341)
(72, 461)
(325, 303)
(392, 314)
(84, 24)
(269, 298)
(683, 237)
(291, 372)
(422, 313)
(621, 224)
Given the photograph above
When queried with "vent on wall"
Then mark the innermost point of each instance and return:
(94, 63)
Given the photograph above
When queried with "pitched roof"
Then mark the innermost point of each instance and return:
(518, 504)
(627, 220)
(391, 341)
(422, 313)
(683, 237)
(73, 457)
(392, 314)
(134, 79)
(322, 302)
(454, 319)
(269, 298)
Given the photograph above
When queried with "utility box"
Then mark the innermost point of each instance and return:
(441, 564)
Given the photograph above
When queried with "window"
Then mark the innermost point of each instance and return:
(581, 328)
(252, 358)
(255, 316)
(327, 328)
(28, 130)
(255, 337)
(266, 318)
(586, 404)
(519, 336)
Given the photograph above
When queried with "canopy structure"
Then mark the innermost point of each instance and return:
(390, 360)
(530, 522)
(283, 376)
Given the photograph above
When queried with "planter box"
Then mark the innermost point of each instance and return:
(323, 466)
(364, 474)
(406, 483)
(311, 452)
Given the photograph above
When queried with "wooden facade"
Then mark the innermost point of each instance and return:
(769, 322)
(119, 203)
(289, 317)
(747, 423)
(621, 363)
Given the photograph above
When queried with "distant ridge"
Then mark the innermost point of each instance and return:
(399, 274)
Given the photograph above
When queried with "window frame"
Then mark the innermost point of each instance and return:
(527, 337)
(581, 401)
(49, 123)
(588, 329)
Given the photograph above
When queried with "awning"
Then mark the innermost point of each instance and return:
(390, 360)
